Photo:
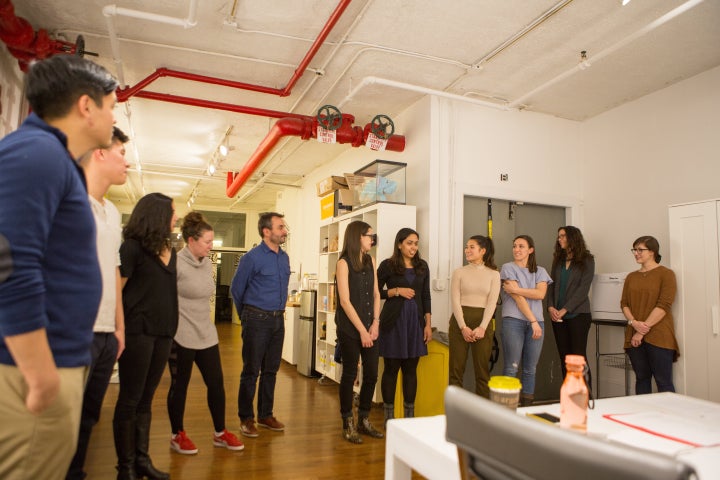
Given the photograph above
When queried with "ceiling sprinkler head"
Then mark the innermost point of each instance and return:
(584, 62)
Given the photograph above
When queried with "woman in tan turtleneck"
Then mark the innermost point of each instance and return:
(475, 289)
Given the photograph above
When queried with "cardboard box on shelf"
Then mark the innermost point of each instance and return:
(343, 202)
(327, 185)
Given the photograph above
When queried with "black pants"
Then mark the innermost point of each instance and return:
(352, 351)
(409, 378)
(104, 353)
(571, 338)
(181, 363)
(141, 368)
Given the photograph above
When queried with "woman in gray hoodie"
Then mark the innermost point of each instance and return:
(196, 340)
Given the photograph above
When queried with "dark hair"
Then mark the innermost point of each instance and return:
(194, 225)
(487, 244)
(351, 245)
(149, 222)
(396, 260)
(53, 85)
(532, 263)
(651, 244)
(265, 221)
(575, 245)
(119, 136)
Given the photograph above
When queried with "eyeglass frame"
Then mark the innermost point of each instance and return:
(639, 250)
(373, 238)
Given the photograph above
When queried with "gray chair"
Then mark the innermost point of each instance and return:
(496, 443)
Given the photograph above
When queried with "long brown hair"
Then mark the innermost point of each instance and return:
(397, 262)
(351, 245)
(575, 245)
(532, 263)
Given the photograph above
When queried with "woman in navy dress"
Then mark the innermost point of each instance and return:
(405, 329)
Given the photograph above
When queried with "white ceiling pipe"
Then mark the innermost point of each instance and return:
(371, 80)
(611, 49)
(110, 11)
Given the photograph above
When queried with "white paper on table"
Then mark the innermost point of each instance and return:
(646, 441)
(679, 428)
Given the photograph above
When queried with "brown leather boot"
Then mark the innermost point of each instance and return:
(350, 433)
(526, 399)
(366, 428)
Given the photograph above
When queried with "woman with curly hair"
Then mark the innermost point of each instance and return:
(150, 302)
(568, 303)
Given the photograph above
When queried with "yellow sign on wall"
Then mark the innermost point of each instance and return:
(327, 206)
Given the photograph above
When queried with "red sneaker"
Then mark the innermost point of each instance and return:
(182, 444)
(228, 440)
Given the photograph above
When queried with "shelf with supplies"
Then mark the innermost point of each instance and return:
(385, 219)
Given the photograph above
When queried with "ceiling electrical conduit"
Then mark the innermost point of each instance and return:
(611, 49)
(305, 129)
(110, 11)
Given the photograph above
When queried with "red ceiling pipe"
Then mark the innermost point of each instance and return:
(22, 41)
(316, 46)
(125, 93)
(305, 128)
(198, 102)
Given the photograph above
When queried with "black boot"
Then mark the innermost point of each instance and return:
(124, 433)
(409, 409)
(366, 428)
(350, 433)
(143, 464)
(389, 410)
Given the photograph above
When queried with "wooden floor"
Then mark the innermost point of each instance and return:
(310, 448)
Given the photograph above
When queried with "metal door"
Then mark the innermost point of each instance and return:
(511, 219)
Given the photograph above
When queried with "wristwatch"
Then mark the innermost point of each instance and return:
(630, 322)
(397, 291)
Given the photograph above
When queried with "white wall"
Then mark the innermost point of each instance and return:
(642, 157)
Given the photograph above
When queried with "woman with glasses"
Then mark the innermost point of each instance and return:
(357, 322)
(405, 330)
(474, 291)
(524, 287)
(572, 272)
(646, 302)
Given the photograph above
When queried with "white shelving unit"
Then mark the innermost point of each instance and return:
(385, 219)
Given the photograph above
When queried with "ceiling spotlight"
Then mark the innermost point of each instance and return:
(625, 2)
(223, 149)
(211, 169)
(189, 204)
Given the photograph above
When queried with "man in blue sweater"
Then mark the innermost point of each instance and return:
(50, 283)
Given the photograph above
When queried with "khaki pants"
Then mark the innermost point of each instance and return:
(34, 447)
(481, 351)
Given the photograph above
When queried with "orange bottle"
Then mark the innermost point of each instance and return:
(574, 395)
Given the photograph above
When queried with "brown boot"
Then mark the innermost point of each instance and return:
(350, 433)
(526, 399)
(366, 428)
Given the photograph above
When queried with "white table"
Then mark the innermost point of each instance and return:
(419, 443)
(705, 460)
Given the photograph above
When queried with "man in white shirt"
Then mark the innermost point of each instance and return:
(103, 167)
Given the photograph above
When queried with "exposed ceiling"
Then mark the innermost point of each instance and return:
(513, 53)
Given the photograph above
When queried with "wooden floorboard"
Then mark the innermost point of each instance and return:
(311, 447)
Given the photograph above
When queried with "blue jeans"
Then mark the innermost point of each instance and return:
(518, 345)
(262, 336)
(650, 361)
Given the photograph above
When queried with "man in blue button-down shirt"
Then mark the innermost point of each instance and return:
(259, 290)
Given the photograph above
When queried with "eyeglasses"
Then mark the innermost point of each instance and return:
(373, 236)
(639, 250)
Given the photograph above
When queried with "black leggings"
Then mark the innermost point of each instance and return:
(181, 363)
(409, 378)
(571, 337)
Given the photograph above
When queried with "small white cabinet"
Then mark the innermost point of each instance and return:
(385, 219)
(694, 255)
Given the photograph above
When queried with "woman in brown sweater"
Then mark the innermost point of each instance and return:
(646, 302)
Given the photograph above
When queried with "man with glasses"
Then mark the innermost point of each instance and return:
(259, 289)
